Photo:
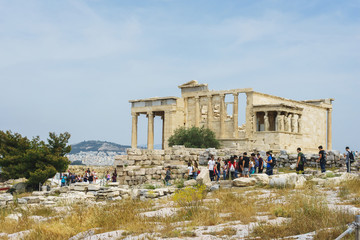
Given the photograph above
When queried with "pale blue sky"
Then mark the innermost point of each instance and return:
(73, 65)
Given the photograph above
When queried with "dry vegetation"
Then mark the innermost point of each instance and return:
(304, 210)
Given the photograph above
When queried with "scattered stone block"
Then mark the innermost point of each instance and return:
(191, 182)
(261, 178)
(244, 182)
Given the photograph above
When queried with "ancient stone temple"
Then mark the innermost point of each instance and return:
(271, 122)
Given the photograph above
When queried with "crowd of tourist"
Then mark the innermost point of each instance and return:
(244, 165)
(87, 177)
(231, 168)
(239, 166)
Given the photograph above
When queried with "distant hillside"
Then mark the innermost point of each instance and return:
(97, 146)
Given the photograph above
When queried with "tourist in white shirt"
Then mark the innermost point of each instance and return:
(211, 165)
(190, 171)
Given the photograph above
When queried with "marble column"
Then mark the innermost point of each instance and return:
(235, 115)
(167, 128)
(163, 132)
(222, 115)
(210, 112)
(150, 140)
(197, 111)
(186, 112)
(329, 129)
(134, 130)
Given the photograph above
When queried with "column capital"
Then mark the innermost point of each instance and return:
(235, 94)
(135, 114)
(197, 97)
(150, 113)
(222, 95)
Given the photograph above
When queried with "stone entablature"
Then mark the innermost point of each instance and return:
(271, 123)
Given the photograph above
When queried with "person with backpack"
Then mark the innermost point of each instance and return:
(349, 159)
(167, 176)
(218, 168)
(269, 166)
(236, 160)
(261, 163)
(63, 180)
(232, 167)
(246, 165)
(322, 159)
(301, 160)
(253, 164)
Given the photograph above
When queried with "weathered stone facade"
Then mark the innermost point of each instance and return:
(272, 123)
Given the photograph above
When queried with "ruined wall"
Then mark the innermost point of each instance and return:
(144, 166)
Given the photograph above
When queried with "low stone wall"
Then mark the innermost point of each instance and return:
(80, 192)
(135, 175)
(333, 159)
(141, 165)
(177, 155)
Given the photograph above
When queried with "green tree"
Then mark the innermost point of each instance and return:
(33, 159)
(194, 137)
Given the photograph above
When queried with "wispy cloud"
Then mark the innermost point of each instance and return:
(87, 58)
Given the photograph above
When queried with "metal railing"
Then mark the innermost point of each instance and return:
(352, 226)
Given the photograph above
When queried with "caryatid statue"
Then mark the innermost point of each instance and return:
(286, 123)
(266, 122)
(280, 122)
(289, 122)
(294, 123)
(299, 124)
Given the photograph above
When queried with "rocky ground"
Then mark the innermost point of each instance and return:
(239, 209)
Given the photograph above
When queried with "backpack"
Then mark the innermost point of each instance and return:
(351, 157)
(303, 159)
(273, 164)
(232, 168)
(323, 156)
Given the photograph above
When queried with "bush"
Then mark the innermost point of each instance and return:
(179, 183)
(194, 138)
(190, 197)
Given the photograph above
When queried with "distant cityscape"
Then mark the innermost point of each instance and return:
(98, 153)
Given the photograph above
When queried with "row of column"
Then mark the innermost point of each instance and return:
(150, 135)
(210, 113)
